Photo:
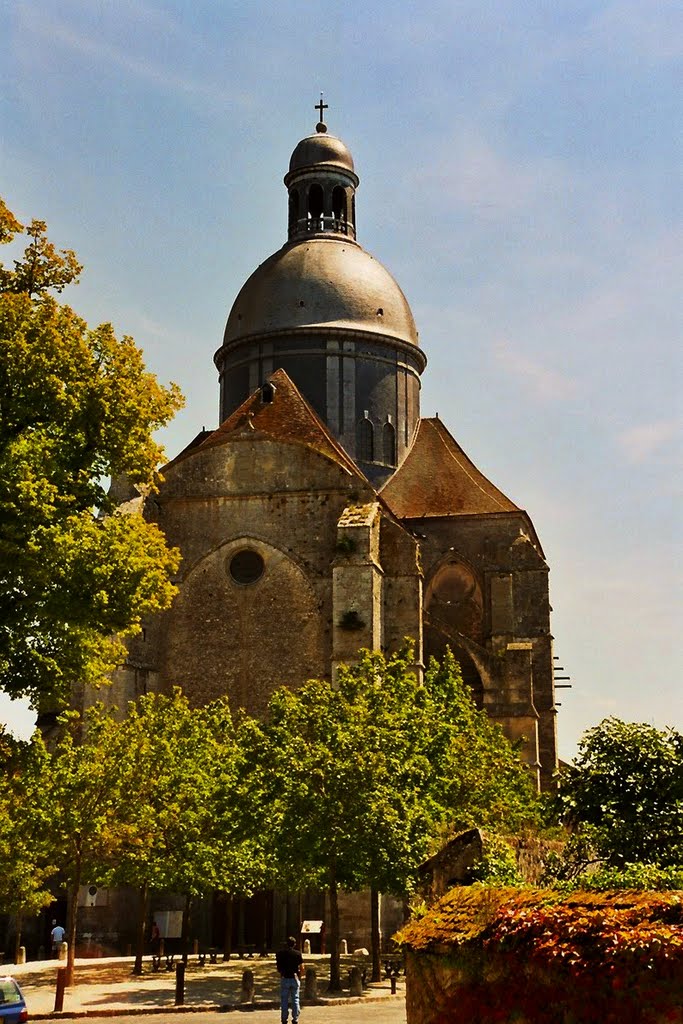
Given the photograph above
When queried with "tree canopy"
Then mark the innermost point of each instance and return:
(359, 778)
(77, 408)
(624, 793)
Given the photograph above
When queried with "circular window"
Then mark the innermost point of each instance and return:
(246, 567)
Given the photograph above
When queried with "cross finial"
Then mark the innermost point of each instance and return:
(320, 107)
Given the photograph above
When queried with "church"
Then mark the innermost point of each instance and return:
(323, 514)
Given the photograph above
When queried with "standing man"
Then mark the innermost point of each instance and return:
(57, 935)
(290, 964)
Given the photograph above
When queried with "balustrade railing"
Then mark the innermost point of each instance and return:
(315, 225)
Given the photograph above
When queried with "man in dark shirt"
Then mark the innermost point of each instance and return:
(290, 965)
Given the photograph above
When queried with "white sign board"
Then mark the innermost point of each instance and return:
(170, 923)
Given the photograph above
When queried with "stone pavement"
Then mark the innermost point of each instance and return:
(107, 988)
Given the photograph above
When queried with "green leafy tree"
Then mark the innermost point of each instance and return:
(623, 795)
(76, 408)
(180, 807)
(83, 785)
(25, 864)
(361, 777)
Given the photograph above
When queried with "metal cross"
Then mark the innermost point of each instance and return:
(321, 106)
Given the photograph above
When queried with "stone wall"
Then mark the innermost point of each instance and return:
(540, 957)
(514, 683)
(454, 989)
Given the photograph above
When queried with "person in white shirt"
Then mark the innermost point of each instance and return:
(57, 935)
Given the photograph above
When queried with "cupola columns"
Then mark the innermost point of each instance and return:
(322, 187)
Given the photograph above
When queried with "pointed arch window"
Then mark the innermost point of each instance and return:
(389, 444)
(366, 440)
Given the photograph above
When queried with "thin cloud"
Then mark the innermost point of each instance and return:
(648, 29)
(640, 443)
(546, 384)
(471, 172)
(57, 31)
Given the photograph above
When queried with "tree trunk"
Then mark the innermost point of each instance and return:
(140, 938)
(374, 935)
(17, 936)
(335, 980)
(227, 938)
(186, 927)
(71, 924)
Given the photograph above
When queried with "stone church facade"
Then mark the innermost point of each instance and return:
(323, 515)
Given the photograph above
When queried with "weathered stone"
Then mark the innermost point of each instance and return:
(355, 981)
(311, 984)
(247, 993)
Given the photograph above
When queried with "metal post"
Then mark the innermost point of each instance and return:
(180, 984)
(59, 991)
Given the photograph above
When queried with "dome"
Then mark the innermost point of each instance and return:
(321, 283)
(320, 149)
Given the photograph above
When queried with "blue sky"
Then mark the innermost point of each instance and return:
(520, 176)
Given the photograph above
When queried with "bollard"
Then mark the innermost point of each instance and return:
(393, 984)
(21, 955)
(62, 950)
(247, 994)
(59, 991)
(356, 981)
(311, 984)
(307, 947)
(180, 984)
(343, 947)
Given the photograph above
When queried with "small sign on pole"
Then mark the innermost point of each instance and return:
(315, 931)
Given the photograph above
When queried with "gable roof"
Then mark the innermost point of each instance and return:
(286, 416)
(438, 479)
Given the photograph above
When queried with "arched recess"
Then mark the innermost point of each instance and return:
(389, 444)
(246, 620)
(365, 440)
(454, 610)
(316, 201)
(339, 202)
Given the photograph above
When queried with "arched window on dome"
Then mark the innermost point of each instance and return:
(339, 207)
(389, 444)
(365, 437)
(316, 205)
(293, 210)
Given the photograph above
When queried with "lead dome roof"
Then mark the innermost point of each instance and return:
(321, 282)
(320, 148)
(323, 279)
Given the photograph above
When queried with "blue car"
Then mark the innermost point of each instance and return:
(12, 1004)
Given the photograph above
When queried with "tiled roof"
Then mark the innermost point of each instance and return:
(286, 417)
(437, 479)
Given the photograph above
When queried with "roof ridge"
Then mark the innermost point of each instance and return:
(467, 463)
(252, 410)
(437, 478)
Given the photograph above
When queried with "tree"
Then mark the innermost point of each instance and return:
(180, 807)
(77, 407)
(624, 792)
(25, 862)
(359, 778)
(84, 793)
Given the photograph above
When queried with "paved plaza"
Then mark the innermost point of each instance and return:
(107, 988)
